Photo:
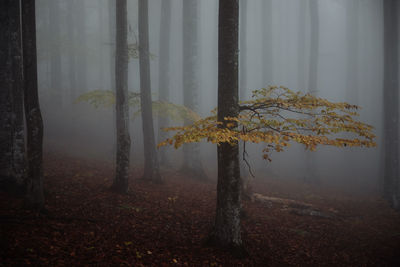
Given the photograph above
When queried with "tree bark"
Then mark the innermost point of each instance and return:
(226, 232)
(122, 105)
(243, 48)
(151, 165)
(12, 144)
(391, 175)
(191, 159)
(163, 71)
(34, 122)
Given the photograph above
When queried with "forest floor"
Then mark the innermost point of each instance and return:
(166, 225)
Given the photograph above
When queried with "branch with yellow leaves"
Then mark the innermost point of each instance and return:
(278, 116)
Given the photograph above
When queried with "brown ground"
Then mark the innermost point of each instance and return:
(165, 225)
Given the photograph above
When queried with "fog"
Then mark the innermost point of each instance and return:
(76, 49)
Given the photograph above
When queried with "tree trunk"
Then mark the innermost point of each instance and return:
(151, 166)
(191, 159)
(34, 123)
(82, 48)
(163, 71)
(267, 41)
(352, 52)
(311, 175)
(242, 49)
(55, 53)
(72, 50)
(391, 175)
(122, 105)
(12, 144)
(226, 232)
(301, 47)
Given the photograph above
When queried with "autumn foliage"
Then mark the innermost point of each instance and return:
(278, 116)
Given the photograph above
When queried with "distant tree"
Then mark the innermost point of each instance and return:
(391, 184)
(352, 36)
(267, 41)
(120, 184)
(80, 24)
(33, 117)
(191, 159)
(310, 158)
(301, 46)
(164, 69)
(151, 165)
(12, 144)
(55, 52)
(72, 57)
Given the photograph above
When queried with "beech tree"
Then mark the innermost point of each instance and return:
(33, 116)
(275, 116)
(120, 184)
(151, 165)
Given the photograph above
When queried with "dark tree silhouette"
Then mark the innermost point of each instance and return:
(34, 122)
(151, 165)
(391, 174)
(120, 184)
(12, 144)
(226, 231)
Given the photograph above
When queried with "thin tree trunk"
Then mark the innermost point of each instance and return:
(72, 50)
(12, 144)
(122, 104)
(391, 122)
(163, 71)
(151, 165)
(226, 232)
(34, 123)
(311, 175)
(55, 53)
(352, 52)
(82, 49)
(301, 47)
(267, 41)
(191, 159)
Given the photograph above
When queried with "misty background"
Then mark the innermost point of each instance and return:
(76, 49)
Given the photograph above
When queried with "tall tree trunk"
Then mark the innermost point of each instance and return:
(226, 232)
(242, 49)
(311, 175)
(82, 48)
(267, 41)
(72, 50)
(163, 71)
(191, 159)
(12, 144)
(151, 165)
(122, 104)
(352, 51)
(301, 47)
(55, 53)
(391, 177)
(34, 123)
(111, 34)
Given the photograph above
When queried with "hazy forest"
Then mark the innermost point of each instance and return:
(199, 133)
